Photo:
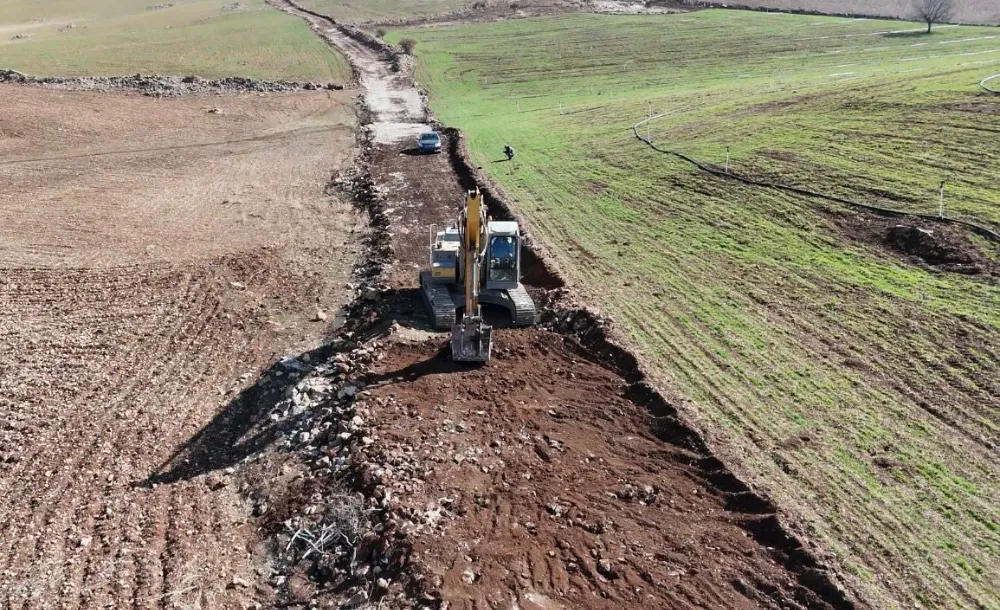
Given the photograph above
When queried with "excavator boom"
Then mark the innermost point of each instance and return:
(471, 338)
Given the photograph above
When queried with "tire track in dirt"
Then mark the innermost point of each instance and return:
(116, 356)
(97, 457)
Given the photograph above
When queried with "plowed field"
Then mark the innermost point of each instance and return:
(155, 257)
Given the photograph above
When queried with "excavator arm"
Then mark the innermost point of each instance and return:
(471, 338)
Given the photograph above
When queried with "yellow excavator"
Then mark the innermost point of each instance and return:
(476, 261)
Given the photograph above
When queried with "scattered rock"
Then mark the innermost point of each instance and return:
(216, 482)
(361, 597)
(238, 581)
(300, 590)
(161, 86)
(606, 569)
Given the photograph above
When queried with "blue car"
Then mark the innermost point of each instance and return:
(429, 142)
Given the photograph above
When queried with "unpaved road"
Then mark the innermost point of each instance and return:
(422, 189)
(154, 258)
(537, 482)
(397, 109)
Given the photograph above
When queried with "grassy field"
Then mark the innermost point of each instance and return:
(967, 11)
(859, 390)
(210, 38)
(355, 11)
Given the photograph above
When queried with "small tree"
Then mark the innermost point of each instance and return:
(933, 11)
(381, 32)
(407, 44)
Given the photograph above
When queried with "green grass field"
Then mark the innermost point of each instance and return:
(357, 11)
(203, 37)
(862, 392)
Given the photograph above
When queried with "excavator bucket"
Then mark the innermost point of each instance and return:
(471, 340)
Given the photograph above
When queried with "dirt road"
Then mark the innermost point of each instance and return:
(154, 257)
(539, 481)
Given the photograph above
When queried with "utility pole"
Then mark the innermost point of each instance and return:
(941, 201)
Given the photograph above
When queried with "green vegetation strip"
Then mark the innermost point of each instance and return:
(208, 38)
(860, 391)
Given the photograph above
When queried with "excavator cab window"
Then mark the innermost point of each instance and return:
(503, 259)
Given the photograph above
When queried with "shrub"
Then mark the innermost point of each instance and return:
(407, 44)
(381, 32)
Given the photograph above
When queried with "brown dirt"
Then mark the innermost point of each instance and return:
(155, 258)
(421, 191)
(929, 244)
(138, 180)
(545, 487)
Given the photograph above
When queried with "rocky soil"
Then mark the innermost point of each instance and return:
(155, 260)
(160, 86)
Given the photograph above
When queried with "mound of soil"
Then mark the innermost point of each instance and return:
(937, 246)
(923, 243)
(159, 86)
(947, 250)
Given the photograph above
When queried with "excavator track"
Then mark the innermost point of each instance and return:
(524, 307)
(439, 302)
(515, 300)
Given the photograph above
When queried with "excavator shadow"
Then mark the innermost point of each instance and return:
(243, 427)
(438, 364)
(405, 308)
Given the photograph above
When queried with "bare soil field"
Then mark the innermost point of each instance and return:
(156, 257)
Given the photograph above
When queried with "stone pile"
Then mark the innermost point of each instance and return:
(163, 86)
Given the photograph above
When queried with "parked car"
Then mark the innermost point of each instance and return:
(429, 142)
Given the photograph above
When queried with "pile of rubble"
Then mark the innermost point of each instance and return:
(163, 86)
(347, 539)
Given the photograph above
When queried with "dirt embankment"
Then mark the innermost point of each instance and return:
(555, 477)
(163, 86)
